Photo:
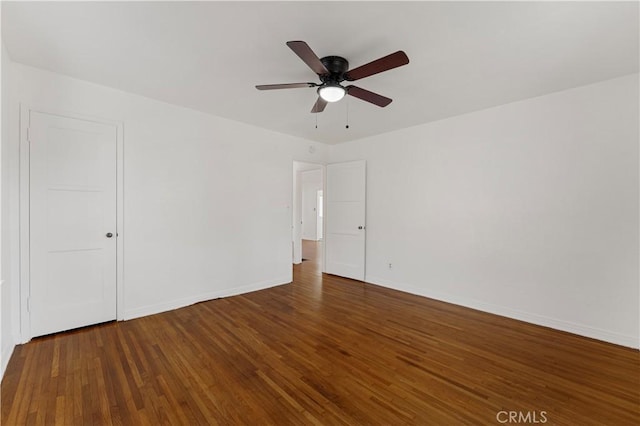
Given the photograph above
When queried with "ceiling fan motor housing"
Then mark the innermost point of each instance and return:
(337, 67)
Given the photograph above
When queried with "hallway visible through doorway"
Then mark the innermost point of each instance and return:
(311, 255)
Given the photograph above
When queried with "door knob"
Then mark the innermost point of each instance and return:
(359, 227)
(109, 235)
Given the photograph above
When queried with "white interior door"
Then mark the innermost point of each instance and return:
(345, 219)
(72, 232)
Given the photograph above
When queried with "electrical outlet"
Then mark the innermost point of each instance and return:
(390, 265)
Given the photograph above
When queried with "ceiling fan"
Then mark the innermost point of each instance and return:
(333, 70)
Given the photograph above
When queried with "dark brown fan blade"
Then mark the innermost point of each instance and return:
(305, 53)
(368, 96)
(319, 105)
(386, 63)
(284, 86)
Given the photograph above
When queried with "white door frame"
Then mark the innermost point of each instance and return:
(320, 212)
(25, 265)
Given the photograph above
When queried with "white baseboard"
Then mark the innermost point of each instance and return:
(186, 301)
(570, 327)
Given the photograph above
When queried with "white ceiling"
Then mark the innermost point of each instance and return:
(208, 56)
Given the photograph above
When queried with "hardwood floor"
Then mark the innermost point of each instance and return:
(323, 350)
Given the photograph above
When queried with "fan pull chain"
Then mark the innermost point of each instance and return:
(347, 126)
(316, 114)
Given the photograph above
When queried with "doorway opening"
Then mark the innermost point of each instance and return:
(308, 212)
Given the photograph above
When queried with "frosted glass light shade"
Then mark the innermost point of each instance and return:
(331, 93)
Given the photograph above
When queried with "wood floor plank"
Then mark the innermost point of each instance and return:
(321, 351)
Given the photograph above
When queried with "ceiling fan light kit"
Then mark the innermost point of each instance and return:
(333, 70)
(331, 92)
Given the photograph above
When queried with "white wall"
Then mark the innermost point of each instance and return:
(528, 210)
(207, 200)
(7, 338)
(311, 184)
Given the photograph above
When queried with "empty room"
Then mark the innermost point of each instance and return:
(291, 213)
